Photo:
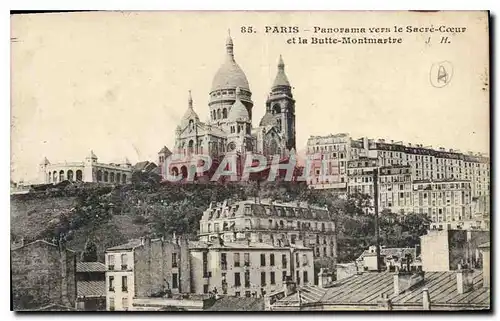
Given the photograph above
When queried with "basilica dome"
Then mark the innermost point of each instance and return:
(230, 75)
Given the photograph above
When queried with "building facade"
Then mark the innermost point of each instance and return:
(91, 286)
(248, 269)
(448, 186)
(263, 221)
(229, 130)
(43, 274)
(145, 268)
(89, 170)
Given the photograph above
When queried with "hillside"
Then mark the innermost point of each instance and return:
(92, 215)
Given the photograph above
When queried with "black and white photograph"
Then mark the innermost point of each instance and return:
(271, 161)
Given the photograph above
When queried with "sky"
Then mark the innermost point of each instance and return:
(117, 82)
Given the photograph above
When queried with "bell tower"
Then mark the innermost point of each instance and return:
(280, 107)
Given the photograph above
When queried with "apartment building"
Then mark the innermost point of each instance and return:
(263, 221)
(145, 268)
(329, 155)
(248, 269)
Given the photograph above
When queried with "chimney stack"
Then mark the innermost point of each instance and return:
(426, 299)
(289, 287)
(404, 280)
(324, 278)
(384, 302)
(464, 280)
(485, 250)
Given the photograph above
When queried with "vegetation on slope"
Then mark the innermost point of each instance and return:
(92, 218)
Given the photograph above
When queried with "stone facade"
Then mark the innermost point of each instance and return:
(87, 171)
(248, 269)
(43, 274)
(271, 222)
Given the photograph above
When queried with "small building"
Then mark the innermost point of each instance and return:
(390, 257)
(90, 170)
(91, 286)
(43, 274)
(248, 269)
(146, 268)
(444, 250)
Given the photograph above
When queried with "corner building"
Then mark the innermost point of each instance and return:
(272, 223)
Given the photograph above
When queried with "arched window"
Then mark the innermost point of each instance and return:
(276, 109)
(191, 124)
(61, 176)
(124, 179)
(218, 114)
(70, 175)
(79, 175)
(106, 176)
(174, 171)
(224, 113)
(99, 176)
(50, 177)
(323, 227)
(112, 177)
(184, 172)
(191, 146)
(209, 227)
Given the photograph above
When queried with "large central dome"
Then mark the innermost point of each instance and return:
(230, 75)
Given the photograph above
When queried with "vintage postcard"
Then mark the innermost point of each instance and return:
(250, 161)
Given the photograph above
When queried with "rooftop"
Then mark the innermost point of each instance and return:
(91, 289)
(366, 289)
(90, 267)
(238, 304)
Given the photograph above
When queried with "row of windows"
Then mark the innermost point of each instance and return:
(124, 261)
(263, 279)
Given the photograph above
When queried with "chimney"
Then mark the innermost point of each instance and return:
(324, 278)
(426, 299)
(289, 287)
(384, 302)
(464, 280)
(485, 250)
(404, 280)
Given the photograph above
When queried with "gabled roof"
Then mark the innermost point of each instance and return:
(90, 267)
(39, 243)
(238, 304)
(165, 150)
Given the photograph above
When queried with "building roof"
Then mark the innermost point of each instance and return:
(484, 245)
(230, 74)
(91, 289)
(281, 78)
(366, 289)
(90, 267)
(237, 304)
(38, 242)
(244, 245)
(54, 307)
(165, 150)
(391, 251)
(130, 245)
